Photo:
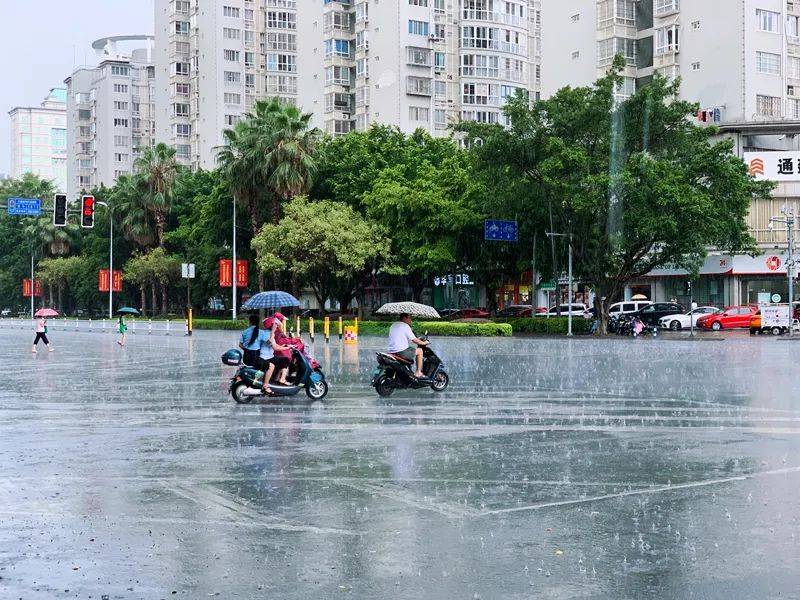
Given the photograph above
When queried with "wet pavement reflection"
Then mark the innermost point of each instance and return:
(616, 468)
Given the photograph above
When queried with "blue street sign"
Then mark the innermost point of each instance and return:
(24, 207)
(500, 231)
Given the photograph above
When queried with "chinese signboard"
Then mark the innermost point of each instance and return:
(187, 270)
(103, 281)
(26, 288)
(774, 165)
(25, 207)
(226, 273)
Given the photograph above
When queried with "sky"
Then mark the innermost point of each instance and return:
(42, 40)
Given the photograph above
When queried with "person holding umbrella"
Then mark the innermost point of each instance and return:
(126, 310)
(41, 328)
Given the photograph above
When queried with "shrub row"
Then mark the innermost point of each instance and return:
(551, 326)
(379, 327)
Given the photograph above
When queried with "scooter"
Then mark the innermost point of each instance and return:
(396, 373)
(304, 373)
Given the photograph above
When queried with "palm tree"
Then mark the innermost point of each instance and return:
(158, 168)
(290, 164)
(240, 165)
(128, 201)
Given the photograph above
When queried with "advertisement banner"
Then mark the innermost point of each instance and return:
(103, 280)
(774, 165)
(26, 288)
(116, 281)
(226, 272)
(242, 273)
(775, 316)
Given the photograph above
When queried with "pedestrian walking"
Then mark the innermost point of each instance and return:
(122, 329)
(41, 334)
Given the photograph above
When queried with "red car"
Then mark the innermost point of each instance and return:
(473, 313)
(733, 317)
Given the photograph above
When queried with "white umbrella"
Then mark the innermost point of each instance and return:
(412, 308)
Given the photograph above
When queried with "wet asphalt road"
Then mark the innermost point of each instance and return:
(550, 469)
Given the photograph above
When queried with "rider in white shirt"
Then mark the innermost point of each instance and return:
(401, 338)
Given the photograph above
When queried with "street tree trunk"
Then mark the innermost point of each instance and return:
(143, 300)
(60, 295)
(164, 300)
(153, 303)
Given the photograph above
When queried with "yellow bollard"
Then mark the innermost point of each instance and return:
(340, 328)
(311, 328)
(355, 326)
(326, 329)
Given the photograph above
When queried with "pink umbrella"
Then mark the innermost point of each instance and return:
(46, 312)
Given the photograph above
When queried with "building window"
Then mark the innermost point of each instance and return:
(362, 67)
(418, 27)
(180, 109)
(337, 48)
(182, 27)
(183, 150)
(181, 68)
(231, 120)
(665, 6)
(768, 63)
(419, 114)
(230, 11)
(768, 106)
(232, 77)
(418, 2)
(281, 20)
(121, 141)
(418, 86)
(282, 62)
(182, 7)
(120, 70)
(182, 130)
(667, 40)
(793, 28)
(767, 20)
(121, 88)
(419, 56)
(182, 48)
(231, 55)
(120, 105)
(231, 34)
(231, 98)
(182, 89)
(120, 122)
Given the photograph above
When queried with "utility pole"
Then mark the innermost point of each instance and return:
(110, 261)
(235, 270)
(533, 278)
(788, 220)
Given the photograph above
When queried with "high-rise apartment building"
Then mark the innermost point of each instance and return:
(109, 113)
(352, 63)
(39, 139)
(740, 59)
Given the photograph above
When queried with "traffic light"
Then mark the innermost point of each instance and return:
(60, 210)
(688, 289)
(87, 212)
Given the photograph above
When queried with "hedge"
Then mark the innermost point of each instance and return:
(551, 326)
(379, 327)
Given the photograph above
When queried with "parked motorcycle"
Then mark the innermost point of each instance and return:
(305, 373)
(396, 373)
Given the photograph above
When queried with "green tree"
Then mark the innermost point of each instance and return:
(155, 270)
(326, 244)
(636, 184)
(157, 167)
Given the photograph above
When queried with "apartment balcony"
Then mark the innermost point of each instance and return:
(486, 16)
(666, 8)
(337, 60)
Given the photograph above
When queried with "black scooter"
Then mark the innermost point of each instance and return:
(304, 374)
(396, 373)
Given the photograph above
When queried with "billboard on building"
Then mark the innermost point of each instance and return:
(774, 165)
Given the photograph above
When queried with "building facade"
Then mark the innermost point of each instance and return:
(39, 139)
(352, 63)
(109, 113)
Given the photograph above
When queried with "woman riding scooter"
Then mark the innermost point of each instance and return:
(268, 361)
(250, 342)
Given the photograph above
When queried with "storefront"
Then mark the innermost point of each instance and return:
(723, 280)
(457, 291)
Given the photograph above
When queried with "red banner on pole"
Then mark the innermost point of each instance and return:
(26, 288)
(116, 282)
(103, 280)
(226, 272)
(242, 273)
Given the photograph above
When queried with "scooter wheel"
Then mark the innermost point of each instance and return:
(383, 386)
(440, 382)
(237, 392)
(318, 390)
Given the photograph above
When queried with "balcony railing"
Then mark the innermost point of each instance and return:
(497, 17)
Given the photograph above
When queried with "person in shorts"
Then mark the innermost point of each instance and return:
(401, 338)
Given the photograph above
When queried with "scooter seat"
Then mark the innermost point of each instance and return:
(396, 357)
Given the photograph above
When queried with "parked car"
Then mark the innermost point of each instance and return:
(628, 307)
(733, 317)
(518, 310)
(6, 312)
(677, 322)
(652, 313)
(474, 313)
(577, 310)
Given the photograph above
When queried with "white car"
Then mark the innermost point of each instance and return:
(685, 320)
(6, 312)
(626, 308)
(577, 310)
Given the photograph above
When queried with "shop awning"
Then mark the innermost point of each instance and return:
(738, 264)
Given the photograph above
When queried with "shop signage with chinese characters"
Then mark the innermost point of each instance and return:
(774, 165)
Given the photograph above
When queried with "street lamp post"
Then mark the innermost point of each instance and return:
(110, 261)
(788, 220)
(569, 279)
(235, 270)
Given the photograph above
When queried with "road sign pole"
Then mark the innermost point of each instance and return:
(569, 294)
(33, 284)
(790, 267)
(234, 258)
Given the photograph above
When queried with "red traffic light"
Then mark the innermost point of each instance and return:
(87, 212)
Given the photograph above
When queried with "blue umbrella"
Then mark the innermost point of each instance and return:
(270, 300)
